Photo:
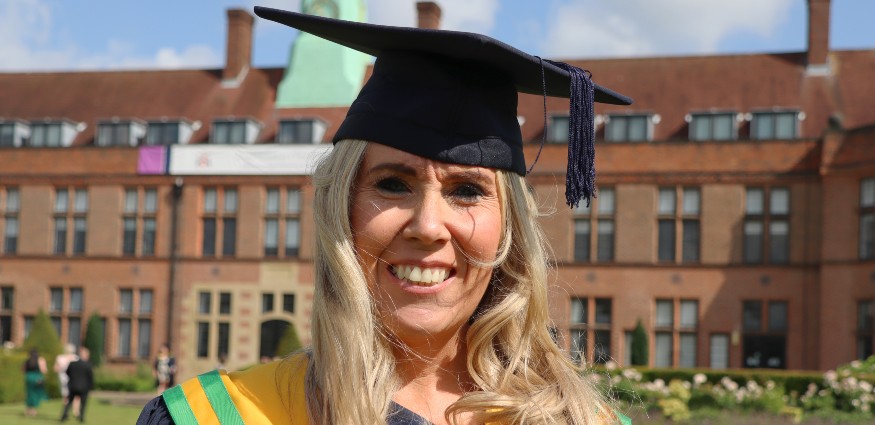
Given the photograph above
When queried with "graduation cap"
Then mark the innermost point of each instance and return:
(452, 96)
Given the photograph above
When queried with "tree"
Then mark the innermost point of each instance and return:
(289, 342)
(94, 339)
(44, 339)
(640, 347)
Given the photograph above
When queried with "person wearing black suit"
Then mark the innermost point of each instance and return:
(81, 382)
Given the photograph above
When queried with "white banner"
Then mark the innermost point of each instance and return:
(236, 160)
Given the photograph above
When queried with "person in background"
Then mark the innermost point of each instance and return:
(61, 363)
(164, 369)
(81, 382)
(34, 382)
(223, 359)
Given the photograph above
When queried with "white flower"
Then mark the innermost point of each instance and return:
(699, 379)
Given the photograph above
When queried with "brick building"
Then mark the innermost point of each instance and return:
(736, 216)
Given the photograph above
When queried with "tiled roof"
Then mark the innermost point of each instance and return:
(669, 86)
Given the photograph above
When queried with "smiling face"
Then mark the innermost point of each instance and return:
(416, 225)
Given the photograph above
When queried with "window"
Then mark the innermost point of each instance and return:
(203, 340)
(139, 218)
(557, 132)
(76, 300)
(598, 326)
(65, 309)
(867, 219)
(146, 301)
(773, 246)
(124, 338)
(301, 131)
(219, 223)
(9, 208)
(602, 243)
(719, 349)
(126, 301)
(223, 339)
(48, 134)
(56, 300)
(676, 320)
(689, 343)
(13, 134)
(166, 133)
(74, 331)
(713, 126)
(224, 303)
(204, 305)
(765, 327)
(120, 133)
(628, 128)
(664, 325)
(289, 303)
(865, 329)
(70, 210)
(282, 223)
(7, 307)
(232, 132)
(144, 338)
(678, 212)
(267, 300)
(213, 325)
(775, 125)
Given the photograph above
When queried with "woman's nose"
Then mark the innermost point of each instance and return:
(428, 222)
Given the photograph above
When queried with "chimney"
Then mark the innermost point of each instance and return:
(428, 14)
(818, 32)
(238, 54)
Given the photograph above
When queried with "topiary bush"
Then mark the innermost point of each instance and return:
(94, 341)
(45, 340)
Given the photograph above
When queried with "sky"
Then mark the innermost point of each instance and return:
(64, 35)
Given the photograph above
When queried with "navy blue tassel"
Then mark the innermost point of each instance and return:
(580, 176)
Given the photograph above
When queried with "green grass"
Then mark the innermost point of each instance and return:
(49, 412)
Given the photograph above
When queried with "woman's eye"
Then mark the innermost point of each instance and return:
(392, 185)
(468, 191)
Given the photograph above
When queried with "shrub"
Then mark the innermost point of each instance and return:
(640, 347)
(94, 339)
(115, 380)
(289, 342)
(45, 340)
(12, 384)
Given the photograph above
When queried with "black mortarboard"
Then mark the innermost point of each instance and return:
(452, 96)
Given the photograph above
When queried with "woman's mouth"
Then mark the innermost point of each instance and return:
(420, 276)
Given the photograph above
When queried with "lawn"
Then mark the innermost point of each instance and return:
(98, 412)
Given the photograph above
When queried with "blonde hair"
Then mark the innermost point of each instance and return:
(521, 374)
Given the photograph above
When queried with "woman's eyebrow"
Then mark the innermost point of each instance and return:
(469, 174)
(394, 167)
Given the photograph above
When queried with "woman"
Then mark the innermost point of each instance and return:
(61, 362)
(431, 279)
(34, 382)
(163, 369)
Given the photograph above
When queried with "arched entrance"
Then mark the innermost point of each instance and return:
(271, 333)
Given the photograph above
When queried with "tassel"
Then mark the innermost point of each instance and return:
(580, 176)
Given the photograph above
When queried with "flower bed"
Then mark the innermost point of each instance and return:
(679, 393)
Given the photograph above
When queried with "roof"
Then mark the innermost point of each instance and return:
(671, 87)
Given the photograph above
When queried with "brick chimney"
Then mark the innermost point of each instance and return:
(818, 32)
(428, 14)
(238, 54)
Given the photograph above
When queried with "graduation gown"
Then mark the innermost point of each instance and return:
(272, 393)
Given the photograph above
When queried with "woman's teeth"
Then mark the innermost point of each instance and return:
(422, 276)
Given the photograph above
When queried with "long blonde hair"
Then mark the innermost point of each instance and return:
(521, 374)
